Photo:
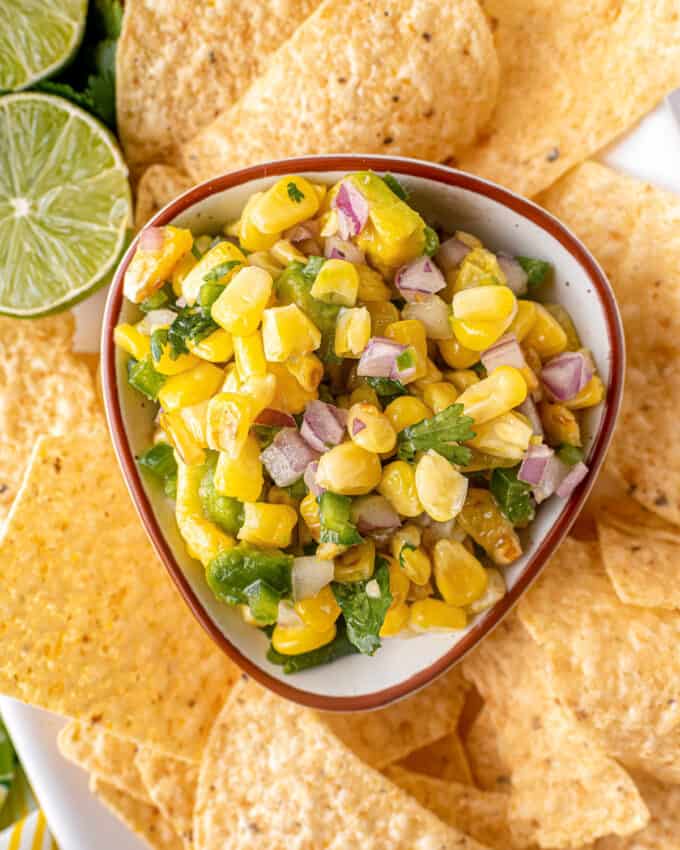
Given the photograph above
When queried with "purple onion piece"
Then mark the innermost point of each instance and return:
(340, 249)
(374, 515)
(323, 425)
(419, 279)
(554, 476)
(576, 474)
(378, 359)
(310, 479)
(505, 352)
(151, 239)
(535, 465)
(300, 232)
(566, 375)
(517, 279)
(528, 408)
(352, 210)
(287, 458)
(357, 427)
(451, 253)
(433, 312)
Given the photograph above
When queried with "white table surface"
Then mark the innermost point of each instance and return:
(651, 151)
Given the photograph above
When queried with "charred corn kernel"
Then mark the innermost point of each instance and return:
(482, 519)
(456, 355)
(309, 511)
(182, 440)
(288, 202)
(372, 287)
(356, 564)
(218, 347)
(462, 378)
(307, 370)
(439, 395)
(218, 259)
(287, 332)
(460, 577)
(560, 424)
(132, 341)
(264, 260)
(268, 525)
(478, 336)
(250, 237)
(495, 590)
(249, 356)
(364, 393)
(229, 418)
(285, 252)
(203, 538)
(524, 320)
(195, 418)
(239, 308)
(166, 365)
(278, 496)
(181, 270)
(411, 332)
(290, 395)
(479, 268)
(319, 612)
(506, 436)
(406, 410)
(294, 641)
(337, 283)
(329, 551)
(590, 395)
(149, 269)
(383, 313)
(441, 488)
(352, 331)
(349, 469)
(408, 534)
(190, 387)
(396, 620)
(240, 477)
(560, 313)
(400, 583)
(370, 428)
(433, 615)
(484, 304)
(398, 486)
(504, 389)
(546, 335)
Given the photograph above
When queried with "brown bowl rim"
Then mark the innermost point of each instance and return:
(131, 475)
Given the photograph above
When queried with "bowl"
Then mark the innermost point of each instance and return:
(455, 200)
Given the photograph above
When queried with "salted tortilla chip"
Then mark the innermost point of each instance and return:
(663, 829)
(443, 759)
(617, 667)
(402, 77)
(171, 785)
(574, 76)
(159, 185)
(565, 791)
(91, 626)
(106, 755)
(489, 770)
(180, 64)
(273, 776)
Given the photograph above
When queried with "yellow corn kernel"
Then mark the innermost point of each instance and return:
(370, 428)
(287, 332)
(198, 384)
(590, 395)
(329, 551)
(432, 376)
(530, 378)
(166, 365)
(321, 191)
(218, 347)
(420, 591)
(182, 440)
(264, 260)
(261, 390)
(482, 519)
(337, 283)
(440, 487)
(478, 336)
(249, 356)
(546, 335)
(268, 525)
(310, 513)
(240, 477)
(456, 355)
(408, 534)
(383, 313)
(279, 496)
(290, 395)
(479, 268)
(285, 252)
(433, 615)
(250, 237)
(239, 308)
(352, 331)
(319, 612)
(416, 564)
(532, 358)
(307, 370)
(560, 424)
(524, 320)
(460, 577)
(484, 304)
(364, 393)
(439, 395)
(232, 382)
(294, 641)
(203, 538)
(506, 436)
(398, 486)
(356, 564)
(400, 583)
(396, 620)
(195, 417)
(181, 270)
(406, 410)
(504, 389)
(462, 378)
(328, 222)
(229, 418)
(495, 590)
(223, 252)
(372, 287)
(149, 270)
(288, 202)
(132, 341)
(560, 313)
(349, 470)
(411, 332)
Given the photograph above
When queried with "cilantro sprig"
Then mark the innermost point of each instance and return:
(191, 325)
(294, 193)
(364, 611)
(513, 496)
(442, 432)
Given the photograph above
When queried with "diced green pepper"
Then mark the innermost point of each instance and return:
(571, 455)
(336, 525)
(263, 601)
(538, 271)
(222, 510)
(160, 461)
(209, 293)
(293, 286)
(144, 378)
(161, 298)
(431, 242)
(232, 571)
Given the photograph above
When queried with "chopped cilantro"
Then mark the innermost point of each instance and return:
(159, 339)
(395, 186)
(294, 193)
(513, 496)
(364, 614)
(386, 386)
(538, 271)
(192, 324)
(442, 432)
(431, 242)
(220, 270)
(144, 378)
(161, 298)
(160, 461)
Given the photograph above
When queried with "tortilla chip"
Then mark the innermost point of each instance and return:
(179, 65)
(44, 389)
(273, 776)
(109, 757)
(90, 624)
(144, 820)
(171, 785)
(159, 185)
(401, 77)
(617, 667)
(443, 759)
(565, 790)
(574, 76)
(390, 734)
(489, 770)
(663, 830)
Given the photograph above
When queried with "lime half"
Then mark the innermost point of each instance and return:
(37, 37)
(65, 204)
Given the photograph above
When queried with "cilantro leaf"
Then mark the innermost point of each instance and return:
(513, 496)
(431, 242)
(192, 324)
(386, 386)
(365, 612)
(294, 193)
(339, 647)
(442, 432)
(219, 271)
(538, 271)
(334, 517)
(160, 461)
(400, 191)
(160, 298)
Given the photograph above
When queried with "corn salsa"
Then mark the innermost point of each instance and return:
(357, 414)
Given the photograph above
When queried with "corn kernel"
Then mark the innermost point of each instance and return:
(546, 335)
(132, 341)
(406, 410)
(285, 252)
(506, 436)
(328, 222)
(482, 519)
(372, 287)
(287, 332)
(168, 365)
(484, 304)
(411, 332)
(229, 419)
(478, 336)
(400, 584)
(249, 356)
(356, 564)
(524, 320)
(279, 496)
(250, 237)
(460, 577)
(239, 308)
(261, 390)
(383, 313)
(268, 525)
(290, 395)
(370, 428)
(433, 615)
(590, 395)
(288, 202)
(319, 612)
(420, 591)
(180, 437)
(462, 378)
(218, 347)
(504, 389)
(295, 641)
(240, 477)
(198, 384)
(440, 487)
(398, 486)
(307, 370)
(337, 283)
(264, 260)
(567, 324)
(329, 551)
(181, 270)
(479, 268)
(439, 395)
(352, 331)
(412, 558)
(150, 269)
(223, 253)
(396, 620)
(310, 513)
(456, 355)
(349, 470)
(495, 590)
(195, 417)
(203, 538)
(560, 424)
(365, 393)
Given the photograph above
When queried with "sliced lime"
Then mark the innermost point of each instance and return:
(37, 37)
(64, 204)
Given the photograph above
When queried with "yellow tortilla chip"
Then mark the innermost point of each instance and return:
(171, 785)
(402, 77)
(180, 64)
(617, 667)
(90, 623)
(443, 759)
(159, 185)
(489, 770)
(663, 830)
(574, 76)
(273, 776)
(109, 757)
(565, 790)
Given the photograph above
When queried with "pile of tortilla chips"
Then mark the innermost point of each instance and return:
(562, 730)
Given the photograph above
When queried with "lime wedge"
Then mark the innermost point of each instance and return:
(65, 204)
(37, 37)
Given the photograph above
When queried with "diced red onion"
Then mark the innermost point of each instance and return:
(323, 425)
(287, 458)
(374, 514)
(528, 408)
(419, 279)
(378, 359)
(576, 474)
(310, 479)
(515, 275)
(340, 249)
(535, 465)
(352, 210)
(566, 375)
(554, 476)
(433, 312)
(287, 616)
(505, 352)
(156, 319)
(151, 239)
(305, 230)
(275, 418)
(310, 575)
(357, 427)
(451, 253)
